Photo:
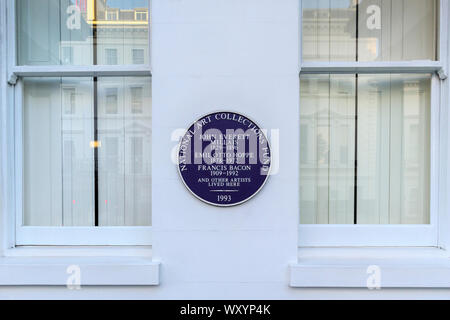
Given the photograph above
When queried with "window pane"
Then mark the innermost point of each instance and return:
(138, 56)
(369, 30)
(372, 130)
(328, 147)
(82, 32)
(63, 139)
(58, 166)
(124, 158)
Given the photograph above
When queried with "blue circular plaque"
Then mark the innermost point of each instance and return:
(224, 158)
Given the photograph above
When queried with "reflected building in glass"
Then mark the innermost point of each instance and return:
(365, 139)
(369, 30)
(97, 131)
(116, 33)
(372, 132)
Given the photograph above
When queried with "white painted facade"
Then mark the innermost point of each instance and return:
(243, 56)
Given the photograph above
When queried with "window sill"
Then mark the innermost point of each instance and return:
(348, 268)
(49, 267)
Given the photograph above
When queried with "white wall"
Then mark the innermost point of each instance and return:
(238, 55)
(225, 55)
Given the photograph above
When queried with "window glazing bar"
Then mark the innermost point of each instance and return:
(372, 67)
(81, 71)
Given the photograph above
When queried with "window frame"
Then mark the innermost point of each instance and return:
(19, 235)
(392, 235)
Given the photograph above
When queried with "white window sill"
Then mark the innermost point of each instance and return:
(348, 267)
(49, 267)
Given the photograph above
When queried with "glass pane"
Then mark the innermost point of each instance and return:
(394, 149)
(82, 32)
(327, 148)
(58, 166)
(376, 137)
(369, 30)
(67, 131)
(125, 155)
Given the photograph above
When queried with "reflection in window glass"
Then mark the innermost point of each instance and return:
(136, 99)
(58, 167)
(141, 15)
(369, 30)
(124, 195)
(111, 147)
(138, 56)
(372, 130)
(111, 15)
(69, 100)
(111, 56)
(60, 152)
(136, 146)
(53, 32)
(67, 55)
(111, 101)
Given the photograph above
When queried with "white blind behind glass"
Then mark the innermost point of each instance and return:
(58, 152)
(67, 32)
(385, 150)
(373, 30)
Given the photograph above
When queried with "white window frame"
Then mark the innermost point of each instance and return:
(393, 235)
(20, 235)
(401, 256)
